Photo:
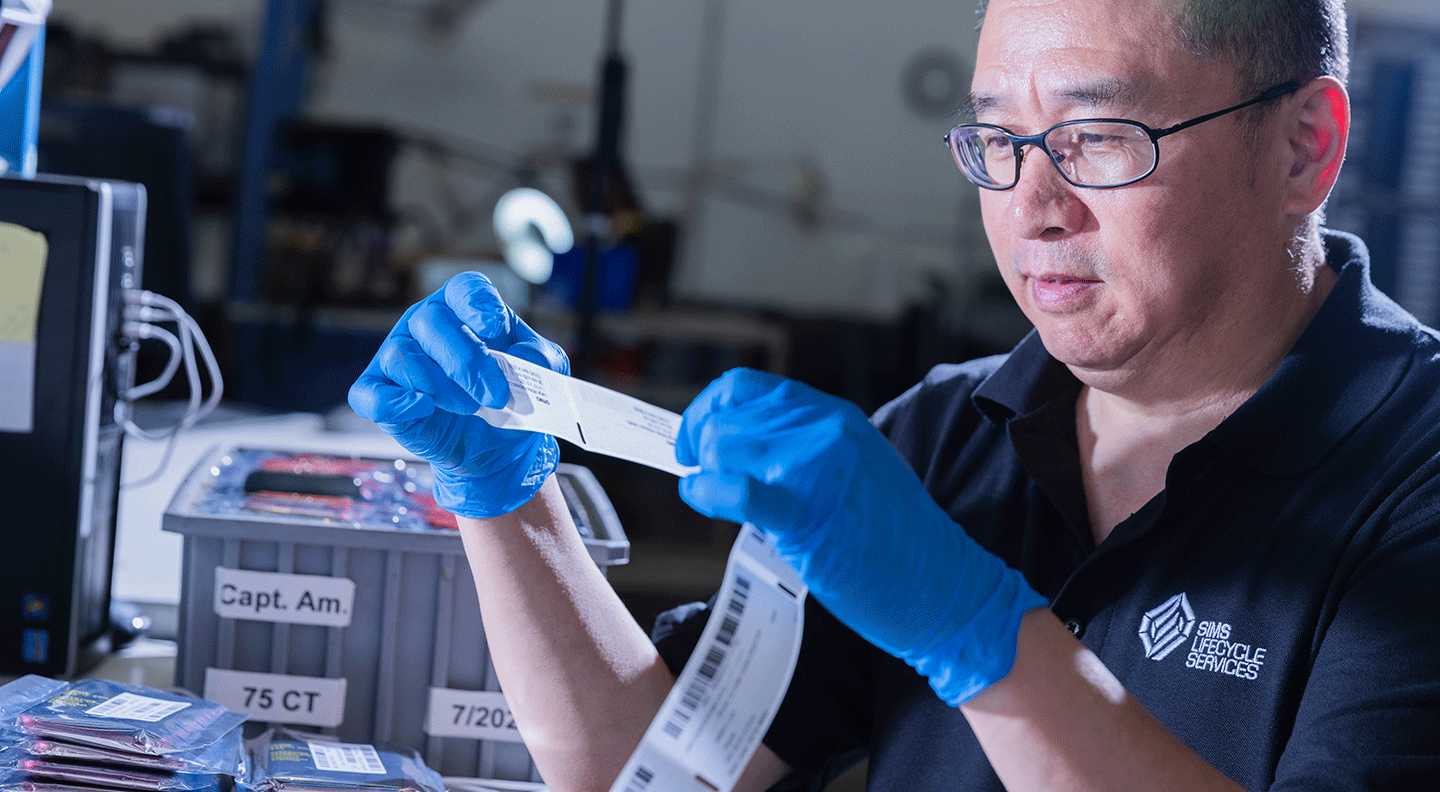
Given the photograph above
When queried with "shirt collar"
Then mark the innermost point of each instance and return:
(1028, 380)
(1346, 363)
(1349, 359)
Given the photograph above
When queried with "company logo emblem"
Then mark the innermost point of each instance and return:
(1167, 626)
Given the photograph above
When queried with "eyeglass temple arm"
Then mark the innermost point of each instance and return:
(1274, 93)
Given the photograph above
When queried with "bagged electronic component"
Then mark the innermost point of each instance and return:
(34, 769)
(225, 755)
(333, 489)
(46, 725)
(288, 760)
(22, 694)
(137, 720)
(40, 785)
(13, 780)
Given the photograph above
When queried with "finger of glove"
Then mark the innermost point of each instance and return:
(376, 397)
(734, 387)
(461, 357)
(774, 434)
(479, 306)
(476, 302)
(738, 498)
(403, 362)
(542, 352)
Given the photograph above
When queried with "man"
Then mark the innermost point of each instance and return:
(1215, 460)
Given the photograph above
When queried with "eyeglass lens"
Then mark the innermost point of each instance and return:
(1087, 153)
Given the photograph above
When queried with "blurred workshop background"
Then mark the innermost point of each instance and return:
(780, 199)
(778, 196)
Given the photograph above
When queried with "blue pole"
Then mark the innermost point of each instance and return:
(20, 107)
(277, 84)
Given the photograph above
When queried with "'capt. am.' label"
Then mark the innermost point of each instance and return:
(279, 597)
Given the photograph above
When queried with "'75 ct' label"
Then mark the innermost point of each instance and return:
(278, 698)
(289, 599)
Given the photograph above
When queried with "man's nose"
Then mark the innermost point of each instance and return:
(1042, 204)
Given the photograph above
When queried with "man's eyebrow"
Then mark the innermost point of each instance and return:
(974, 103)
(1100, 93)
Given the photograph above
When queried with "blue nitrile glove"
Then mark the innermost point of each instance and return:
(430, 376)
(847, 512)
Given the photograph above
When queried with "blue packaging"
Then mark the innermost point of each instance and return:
(23, 693)
(288, 760)
(119, 725)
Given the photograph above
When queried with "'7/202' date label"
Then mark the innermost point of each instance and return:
(472, 714)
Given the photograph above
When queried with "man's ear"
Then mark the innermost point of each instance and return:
(1317, 129)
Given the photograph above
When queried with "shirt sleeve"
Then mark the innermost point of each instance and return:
(823, 725)
(1369, 718)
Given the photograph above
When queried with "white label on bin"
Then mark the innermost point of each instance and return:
(278, 597)
(278, 698)
(472, 714)
(346, 758)
(128, 706)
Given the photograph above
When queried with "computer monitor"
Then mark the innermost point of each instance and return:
(69, 248)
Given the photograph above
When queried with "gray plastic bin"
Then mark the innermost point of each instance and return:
(414, 622)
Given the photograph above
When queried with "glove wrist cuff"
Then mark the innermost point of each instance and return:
(500, 492)
(982, 652)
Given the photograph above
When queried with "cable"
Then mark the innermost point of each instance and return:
(142, 331)
(189, 325)
(171, 436)
(192, 376)
(142, 310)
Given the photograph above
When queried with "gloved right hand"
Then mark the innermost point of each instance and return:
(848, 513)
(430, 376)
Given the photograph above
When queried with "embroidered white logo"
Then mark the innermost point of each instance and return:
(1214, 651)
(1167, 626)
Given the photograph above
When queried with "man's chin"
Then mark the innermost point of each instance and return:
(1088, 357)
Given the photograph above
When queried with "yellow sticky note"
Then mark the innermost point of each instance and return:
(22, 272)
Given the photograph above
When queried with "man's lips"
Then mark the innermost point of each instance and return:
(1055, 292)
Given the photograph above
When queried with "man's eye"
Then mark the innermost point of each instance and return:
(997, 144)
(1096, 139)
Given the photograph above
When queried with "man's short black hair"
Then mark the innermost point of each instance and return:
(1268, 42)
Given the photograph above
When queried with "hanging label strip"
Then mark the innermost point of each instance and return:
(727, 695)
(714, 718)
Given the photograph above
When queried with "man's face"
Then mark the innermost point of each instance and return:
(1124, 281)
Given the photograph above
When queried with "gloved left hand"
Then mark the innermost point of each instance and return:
(847, 512)
(432, 373)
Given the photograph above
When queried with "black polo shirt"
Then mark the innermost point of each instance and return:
(1275, 606)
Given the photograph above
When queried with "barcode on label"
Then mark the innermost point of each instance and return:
(640, 781)
(695, 692)
(128, 706)
(346, 757)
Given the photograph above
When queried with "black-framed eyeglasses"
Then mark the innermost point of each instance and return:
(1098, 153)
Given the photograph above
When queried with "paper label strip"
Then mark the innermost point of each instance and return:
(594, 418)
(724, 700)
